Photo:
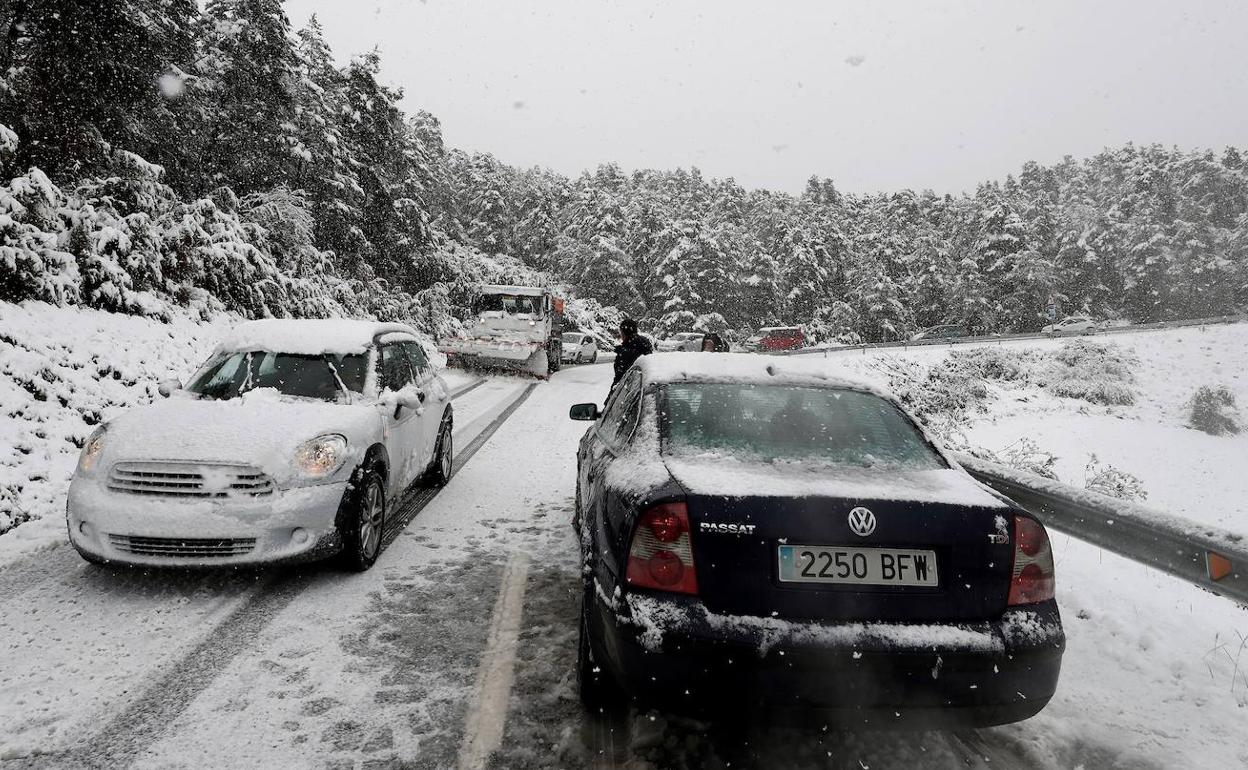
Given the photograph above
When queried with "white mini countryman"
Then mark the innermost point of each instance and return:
(293, 442)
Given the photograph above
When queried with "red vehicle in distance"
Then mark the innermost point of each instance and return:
(771, 338)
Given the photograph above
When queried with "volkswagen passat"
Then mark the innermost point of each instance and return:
(293, 442)
(765, 534)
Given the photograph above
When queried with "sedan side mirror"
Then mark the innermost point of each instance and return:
(167, 387)
(584, 412)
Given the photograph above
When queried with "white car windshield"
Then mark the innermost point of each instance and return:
(320, 376)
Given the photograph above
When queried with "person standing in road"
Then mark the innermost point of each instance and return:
(632, 346)
(713, 343)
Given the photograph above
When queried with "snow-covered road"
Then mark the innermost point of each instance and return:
(469, 618)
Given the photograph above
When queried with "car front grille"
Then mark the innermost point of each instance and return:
(183, 547)
(194, 480)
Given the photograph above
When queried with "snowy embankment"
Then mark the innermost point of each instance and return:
(1126, 416)
(62, 372)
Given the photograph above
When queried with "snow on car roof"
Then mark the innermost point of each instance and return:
(307, 337)
(529, 291)
(664, 368)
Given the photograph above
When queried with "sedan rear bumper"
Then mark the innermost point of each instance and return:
(293, 525)
(672, 654)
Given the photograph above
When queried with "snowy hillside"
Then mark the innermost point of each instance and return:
(1124, 405)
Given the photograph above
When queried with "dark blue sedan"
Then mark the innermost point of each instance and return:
(766, 536)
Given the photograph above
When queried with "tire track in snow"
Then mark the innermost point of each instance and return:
(415, 502)
(129, 734)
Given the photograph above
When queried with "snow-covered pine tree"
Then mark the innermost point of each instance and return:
(246, 85)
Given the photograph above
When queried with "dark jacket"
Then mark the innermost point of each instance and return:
(629, 351)
(717, 343)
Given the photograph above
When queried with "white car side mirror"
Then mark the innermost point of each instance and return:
(408, 396)
(167, 387)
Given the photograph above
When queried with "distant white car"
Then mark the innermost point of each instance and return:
(293, 442)
(579, 348)
(686, 342)
(1075, 324)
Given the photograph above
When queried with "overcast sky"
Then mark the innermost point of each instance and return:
(876, 95)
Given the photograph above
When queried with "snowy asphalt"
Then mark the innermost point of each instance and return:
(455, 650)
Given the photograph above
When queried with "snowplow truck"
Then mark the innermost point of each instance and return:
(516, 327)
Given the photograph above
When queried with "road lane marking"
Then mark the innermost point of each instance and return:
(487, 709)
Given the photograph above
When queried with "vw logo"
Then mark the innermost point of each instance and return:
(862, 521)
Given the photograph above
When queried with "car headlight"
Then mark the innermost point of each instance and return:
(321, 456)
(91, 451)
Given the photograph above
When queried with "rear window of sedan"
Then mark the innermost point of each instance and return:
(775, 422)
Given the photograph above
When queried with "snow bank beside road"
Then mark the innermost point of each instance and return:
(62, 372)
(1184, 471)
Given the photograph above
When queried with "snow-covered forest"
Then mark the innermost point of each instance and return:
(160, 154)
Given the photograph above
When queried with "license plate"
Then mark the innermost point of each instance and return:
(857, 566)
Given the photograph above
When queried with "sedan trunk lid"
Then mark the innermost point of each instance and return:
(743, 514)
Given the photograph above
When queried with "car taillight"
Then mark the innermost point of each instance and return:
(1033, 563)
(661, 554)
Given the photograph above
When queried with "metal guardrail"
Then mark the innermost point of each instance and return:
(955, 341)
(1206, 556)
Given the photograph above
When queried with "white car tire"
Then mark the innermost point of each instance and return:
(443, 455)
(362, 529)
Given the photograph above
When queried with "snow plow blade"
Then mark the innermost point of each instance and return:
(526, 360)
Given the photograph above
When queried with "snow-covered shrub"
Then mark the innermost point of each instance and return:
(589, 316)
(8, 143)
(206, 245)
(288, 227)
(32, 263)
(952, 387)
(1026, 455)
(100, 249)
(675, 321)
(994, 363)
(710, 322)
(1213, 411)
(11, 512)
(1108, 480)
(1091, 371)
(947, 390)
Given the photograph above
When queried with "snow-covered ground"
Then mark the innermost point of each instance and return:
(315, 667)
(1184, 471)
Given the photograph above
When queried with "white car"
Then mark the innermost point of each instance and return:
(295, 441)
(687, 342)
(579, 348)
(1075, 324)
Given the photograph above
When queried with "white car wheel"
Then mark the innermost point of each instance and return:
(361, 533)
(371, 515)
